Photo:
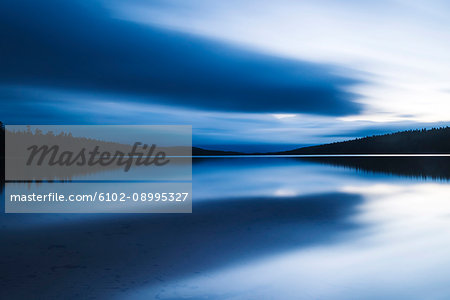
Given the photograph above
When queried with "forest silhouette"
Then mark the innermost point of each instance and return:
(422, 141)
(419, 141)
(65, 156)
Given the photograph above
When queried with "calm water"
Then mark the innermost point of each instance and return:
(261, 228)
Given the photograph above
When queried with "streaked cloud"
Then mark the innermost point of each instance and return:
(243, 73)
(399, 48)
(80, 46)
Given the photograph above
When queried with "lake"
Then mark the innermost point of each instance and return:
(261, 228)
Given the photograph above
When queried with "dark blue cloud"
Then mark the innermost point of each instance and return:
(74, 45)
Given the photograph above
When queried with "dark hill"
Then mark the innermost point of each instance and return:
(203, 152)
(422, 141)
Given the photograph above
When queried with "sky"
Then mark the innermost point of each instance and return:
(247, 75)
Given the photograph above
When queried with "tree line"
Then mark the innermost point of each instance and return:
(419, 141)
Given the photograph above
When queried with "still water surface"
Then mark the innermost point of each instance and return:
(261, 228)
